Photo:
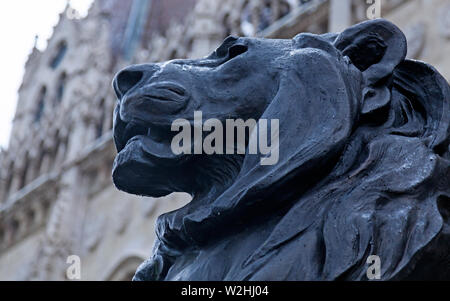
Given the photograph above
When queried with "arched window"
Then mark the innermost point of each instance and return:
(15, 225)
(173, 54)
(61, 87)
(40, 159)
(101, 121)
(40, 105)
(2, 236)
(59, 56)
(9, 175)
(126, 269)
(23, 175)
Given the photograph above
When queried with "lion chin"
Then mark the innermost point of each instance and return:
(363, 169)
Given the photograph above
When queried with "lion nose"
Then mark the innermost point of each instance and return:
(126, 80)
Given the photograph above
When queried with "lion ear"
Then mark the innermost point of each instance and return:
(376, 48)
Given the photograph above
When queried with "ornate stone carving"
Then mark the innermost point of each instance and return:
(94, 231)
(360, 171)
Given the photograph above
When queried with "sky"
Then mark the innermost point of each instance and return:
(20, 22)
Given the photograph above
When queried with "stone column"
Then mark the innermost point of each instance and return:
(340, 15)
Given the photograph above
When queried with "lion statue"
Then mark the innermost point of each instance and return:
(363, 169)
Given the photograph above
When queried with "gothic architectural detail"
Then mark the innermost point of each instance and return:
(27, 212)
(125, 269)
(57, 167)
(124, 216)
(93, 233)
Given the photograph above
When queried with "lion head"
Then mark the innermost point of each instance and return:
(363, 163)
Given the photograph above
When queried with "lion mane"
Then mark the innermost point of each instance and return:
(377, 185)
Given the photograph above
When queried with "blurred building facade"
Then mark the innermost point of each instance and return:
(56, 194)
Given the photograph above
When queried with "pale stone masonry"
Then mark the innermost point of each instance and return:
(56, 194)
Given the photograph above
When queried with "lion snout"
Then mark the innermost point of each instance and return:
(125, 81)
(129, 78)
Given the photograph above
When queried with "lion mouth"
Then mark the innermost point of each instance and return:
(144, 160)
(135, 131)
(153, 140)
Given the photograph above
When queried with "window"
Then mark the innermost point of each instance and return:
(61, 52)
(101, 121)
(15, 225)
(23, 175)
(40, 105)
(9, 177)
(2, 235)
(125, 270)
(60, 88)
